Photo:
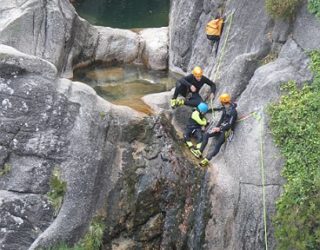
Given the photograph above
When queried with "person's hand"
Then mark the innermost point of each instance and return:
(193, 88)
(211, 96)
(215, 130)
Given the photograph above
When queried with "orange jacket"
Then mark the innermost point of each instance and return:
(214, 27)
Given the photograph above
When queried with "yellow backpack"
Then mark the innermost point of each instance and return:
(214, 27)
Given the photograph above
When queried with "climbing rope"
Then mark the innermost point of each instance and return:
(258, 118)
(262, 170)
(230, 19)
(245, 117)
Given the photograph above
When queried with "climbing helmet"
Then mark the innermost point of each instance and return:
(203, 107)
(197, 72)
(225, 98)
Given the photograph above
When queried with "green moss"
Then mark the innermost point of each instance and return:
(314, 7)
(283, 9)
(102, 115)
(295, 125)
(57, 190)
(6, 169)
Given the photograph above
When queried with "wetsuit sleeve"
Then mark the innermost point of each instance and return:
(232, 120)
(196, 117)
(211, 84)
(186, 80)
(211, 110)
(217, 109)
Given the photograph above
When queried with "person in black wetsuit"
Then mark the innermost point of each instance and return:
(191, 84)
(222, 130)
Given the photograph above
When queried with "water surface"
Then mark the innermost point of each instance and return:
(126, 84)
(125, 14)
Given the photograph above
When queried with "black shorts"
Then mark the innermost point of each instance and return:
(213, 38)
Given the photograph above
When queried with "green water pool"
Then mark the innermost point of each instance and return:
(126, 14)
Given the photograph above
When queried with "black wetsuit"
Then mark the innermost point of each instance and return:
(226, 123)
(183, 88)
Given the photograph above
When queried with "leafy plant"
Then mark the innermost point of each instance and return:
(94, 236)
(92, 240)
(57, 190)
(295, 125)
(314, 7)
(282, 8)
(6, 169)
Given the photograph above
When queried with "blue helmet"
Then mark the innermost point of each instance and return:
(203, 107)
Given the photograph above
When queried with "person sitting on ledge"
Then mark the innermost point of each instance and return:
(191, 84)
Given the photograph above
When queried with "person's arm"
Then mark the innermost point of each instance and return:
(211, 110)
(196, 117)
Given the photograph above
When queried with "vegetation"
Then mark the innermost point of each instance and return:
(282, 8)
(295, 125)
(102, 115)
(314, 7)
(272, 56)
(91, 241)
(6, 169)
(57, 190)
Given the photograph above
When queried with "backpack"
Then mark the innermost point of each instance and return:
(214, 27)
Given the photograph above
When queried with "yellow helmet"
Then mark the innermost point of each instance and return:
(197, 71)
(225, 98)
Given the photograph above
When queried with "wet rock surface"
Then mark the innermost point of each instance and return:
(159, 200)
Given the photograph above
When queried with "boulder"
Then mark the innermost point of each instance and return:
(48, 123)
(48, 29)
(155, 51)
(52, 30)
(117, 45)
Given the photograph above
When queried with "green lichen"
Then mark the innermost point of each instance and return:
(6, 169)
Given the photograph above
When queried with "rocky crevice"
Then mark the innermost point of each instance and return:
(153, 203)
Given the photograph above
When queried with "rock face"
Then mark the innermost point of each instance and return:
(255, 56)
(117, 45)
(46, 122)
(113, 161)
(130, 168)
(159, 201)
(155, 49)
(52, 30)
